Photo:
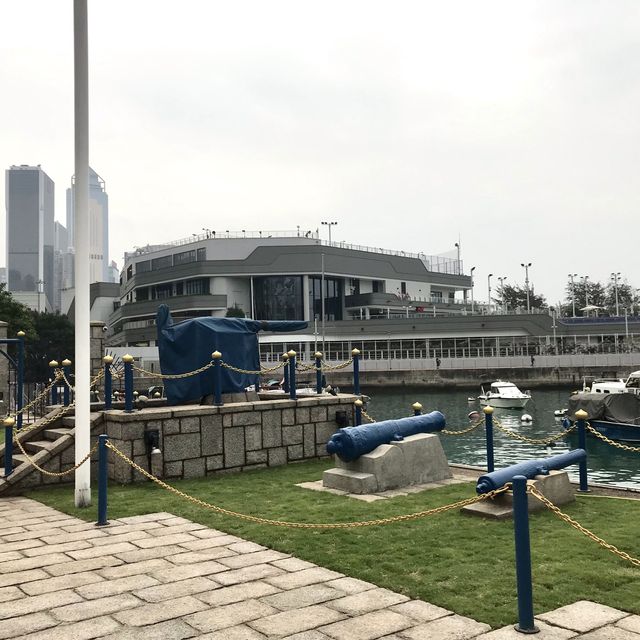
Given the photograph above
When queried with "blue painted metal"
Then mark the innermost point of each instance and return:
(523, 556)
(582, 444)
(217, 382)
(128, 387)
(108, 385)
(417, 412)
(67, 390)
(102, 480)
(529, 469)
(318, 374)
(352, 442)
(20, 381)
(8, 451)
(488, 430)
(356, 373)
(285, 384)
(292, 376)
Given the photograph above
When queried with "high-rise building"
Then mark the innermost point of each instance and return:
(98, 225)
(30, 236)
(63, 263)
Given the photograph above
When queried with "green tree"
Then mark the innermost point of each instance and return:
(626, 297)
(586, 294)
(515, 297)
(55, 340)
(235, 312)
(16, 315)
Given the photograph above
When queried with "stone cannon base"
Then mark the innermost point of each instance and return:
(555, 487)
(417, 459)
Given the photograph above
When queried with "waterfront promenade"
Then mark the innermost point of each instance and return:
(162, 577)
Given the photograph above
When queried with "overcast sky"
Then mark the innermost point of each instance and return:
(512, 125)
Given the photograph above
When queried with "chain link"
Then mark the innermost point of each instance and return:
(576, 525)
(301, 525)
(512, 434)
(42, 394)
(270, 369)
(173, 376)
(57, 474)
(367, 416)
(474, 426)
(604, 438)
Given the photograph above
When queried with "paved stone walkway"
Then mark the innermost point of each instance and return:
(160, 577)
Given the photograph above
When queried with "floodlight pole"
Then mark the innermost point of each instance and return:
(81, 214)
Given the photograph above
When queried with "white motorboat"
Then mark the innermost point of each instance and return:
(504, 395)
(613, 385)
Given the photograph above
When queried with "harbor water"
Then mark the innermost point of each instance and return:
(607, 465)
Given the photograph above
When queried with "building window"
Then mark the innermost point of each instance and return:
(130, 272)
(184, 257)
(202, 254)
(162, 263)
(354, 286)
(332, 298)
(278, 298)
(142, 293)
(143, 266)
(163, 291)
(377, 286)
(197, 287)
(403, 288)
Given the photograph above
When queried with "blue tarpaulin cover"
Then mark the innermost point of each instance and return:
(186, 346)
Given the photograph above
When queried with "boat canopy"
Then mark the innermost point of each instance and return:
(611, 407)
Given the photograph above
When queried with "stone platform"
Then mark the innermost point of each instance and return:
(160, 577)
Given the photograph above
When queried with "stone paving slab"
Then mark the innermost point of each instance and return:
(162, 577)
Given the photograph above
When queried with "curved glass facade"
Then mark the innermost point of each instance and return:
(278, 298)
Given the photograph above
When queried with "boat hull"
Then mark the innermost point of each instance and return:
(504, 403)
(617, 430)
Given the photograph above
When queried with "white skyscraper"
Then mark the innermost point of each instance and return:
(98, 225)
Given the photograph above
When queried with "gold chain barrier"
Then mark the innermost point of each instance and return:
(303, 525)
(576, 525)
(226, 365)
(56, 474)
(324, 366)
(554, 436)
(613, 443)
(173, 376)
(474, 426)
(367, 416)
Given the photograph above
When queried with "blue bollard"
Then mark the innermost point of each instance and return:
(102, 480)
(20, 378)
(355, 354)
(292, 374)
(217, 378)
(488, 429)
(318, 357)
(417, 409)
(285, 385)
(523, 556)
(8, 445)
(581, 416)
(128, 382)
(54, 390)
(357, 421)
(108, 381)
(66, 364)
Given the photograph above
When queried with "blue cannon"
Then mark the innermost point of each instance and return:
(352, 442)
(529, 469)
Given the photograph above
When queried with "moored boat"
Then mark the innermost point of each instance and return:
(504, 395)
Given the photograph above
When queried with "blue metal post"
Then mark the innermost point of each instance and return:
(128, 382)
(8, 446)
(292, 374)
(488, 428)
(582, 444)
(285, 387)
(355, 354)
(217, 378)
(357, 420)
(318, 357)
(523, 556)
(108, 381)
(54, 390)
(417, 409)
(67, 372)
(102, 480)
(20, 378)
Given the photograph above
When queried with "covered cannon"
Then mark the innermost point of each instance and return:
(352, 442)
(530, 469)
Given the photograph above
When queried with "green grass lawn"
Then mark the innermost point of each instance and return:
(463, 563)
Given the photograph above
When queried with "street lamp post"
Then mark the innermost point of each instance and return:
(573, 293)
(489, 287)
(526, 266)
(40, 284)
(458, 270)
(586, 291)
(615, 277)
(502, 279)
(329, 224)
(472, 270)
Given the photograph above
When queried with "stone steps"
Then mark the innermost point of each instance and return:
(35, 446)
(54, 434)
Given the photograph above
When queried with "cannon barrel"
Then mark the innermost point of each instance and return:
(352, 442)
(529, 469)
